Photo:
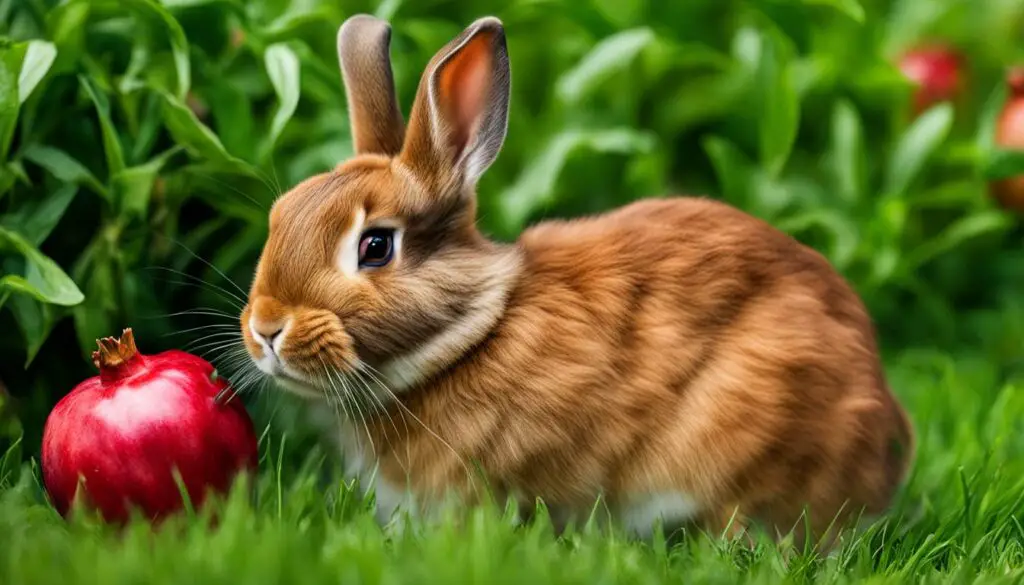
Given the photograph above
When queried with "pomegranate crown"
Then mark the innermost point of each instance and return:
(114, 351)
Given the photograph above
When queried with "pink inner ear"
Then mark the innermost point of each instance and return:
(463, 89)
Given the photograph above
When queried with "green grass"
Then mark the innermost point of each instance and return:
(959, 520)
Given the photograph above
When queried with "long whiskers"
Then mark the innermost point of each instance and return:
(357, 407)
(199, 312)
(377, 377)
(214, 341)
(335, 397)
(273, 188)
(209, 264)
(359, 378)
(236, 301)
(215, 327)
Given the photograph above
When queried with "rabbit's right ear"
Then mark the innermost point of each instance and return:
(458, 122)
(364, 45)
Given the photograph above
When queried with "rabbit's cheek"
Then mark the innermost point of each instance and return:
(316, 346)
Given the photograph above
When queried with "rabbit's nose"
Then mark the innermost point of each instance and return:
(266, 332)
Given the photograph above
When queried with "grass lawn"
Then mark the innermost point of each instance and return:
(960, 519)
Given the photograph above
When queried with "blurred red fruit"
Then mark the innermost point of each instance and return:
(1009, 192)
(937, 71)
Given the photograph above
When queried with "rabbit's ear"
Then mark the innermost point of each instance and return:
(458, 121)
(364, 54)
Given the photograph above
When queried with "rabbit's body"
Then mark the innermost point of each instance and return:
(677, 356)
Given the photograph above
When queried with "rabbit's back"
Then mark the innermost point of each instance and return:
(690, 353)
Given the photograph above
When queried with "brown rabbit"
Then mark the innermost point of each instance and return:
(678, 358)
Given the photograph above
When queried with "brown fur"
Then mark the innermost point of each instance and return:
(672, 345)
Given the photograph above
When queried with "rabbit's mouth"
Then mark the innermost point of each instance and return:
(270, 364)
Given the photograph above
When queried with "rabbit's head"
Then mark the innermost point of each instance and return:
(377, 265)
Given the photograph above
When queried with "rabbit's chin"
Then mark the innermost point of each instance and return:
(287, 378)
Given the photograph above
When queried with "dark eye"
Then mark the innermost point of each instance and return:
(376, 247)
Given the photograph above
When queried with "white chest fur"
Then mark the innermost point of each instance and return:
(641, 513)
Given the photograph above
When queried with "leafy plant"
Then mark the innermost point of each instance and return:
(142, 143)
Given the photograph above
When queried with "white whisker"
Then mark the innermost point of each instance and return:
(210, 264)
(380, 408)
(371, 371)
(224, 293)
(220, 335)
(204, 312)
(359, 410)
(215, 326)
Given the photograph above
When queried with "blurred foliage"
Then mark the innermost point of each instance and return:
(142, 142)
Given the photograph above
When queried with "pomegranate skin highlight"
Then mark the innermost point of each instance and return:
(125, 431)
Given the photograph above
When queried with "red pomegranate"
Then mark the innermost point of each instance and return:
(125, 432)
(936, 70)
(1009, 192)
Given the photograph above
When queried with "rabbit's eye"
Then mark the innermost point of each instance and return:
(376, 247)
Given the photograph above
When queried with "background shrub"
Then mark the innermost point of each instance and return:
(142, 142)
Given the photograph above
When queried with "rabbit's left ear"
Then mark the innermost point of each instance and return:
(458, 121)
(364, 44)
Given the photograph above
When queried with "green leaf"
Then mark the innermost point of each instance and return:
(536, 184)
(66, 24)
(197, 138)
(9, 174)
(288, 25)
(885, 261)
(851, 8)
(179, 4)
(44, 279)
(954, 236)
(176, 35)
(63, 167)
(848, 156)
(11, 56)
(779, 107)
(134, 186)
(283, 68)
(842, 230)
(232, 118)
(149, 128)
(916, 146)
(701, 99)
(38, 58)
(952, 195)
(1001, 163)
(988, 120)
(387, 9)
(36, 218)
(36, 321)
(734, 170)
(611, 54)
(232, 253)
(10, 459)
(111, 140)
